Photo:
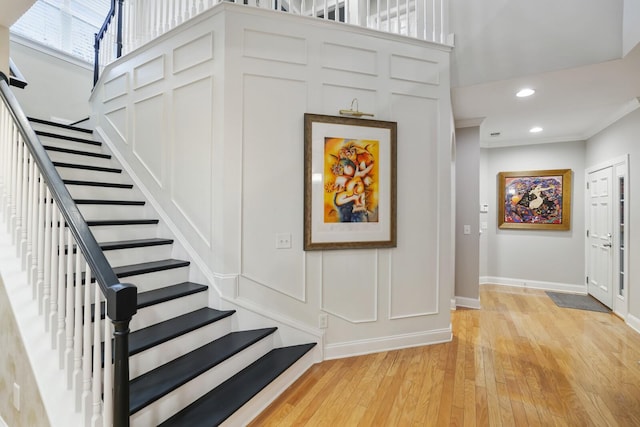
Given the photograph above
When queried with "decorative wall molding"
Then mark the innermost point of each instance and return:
(374, 345)
(534, 284)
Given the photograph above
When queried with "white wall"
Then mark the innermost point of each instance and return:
(58, 85)
(619, 139)
(536, 258)
(4, 50)
(467, 289)
(210, 117)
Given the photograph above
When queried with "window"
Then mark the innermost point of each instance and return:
(66, 25)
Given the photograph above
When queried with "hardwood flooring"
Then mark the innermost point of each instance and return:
(519, 361)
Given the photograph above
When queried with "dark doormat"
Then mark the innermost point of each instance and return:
(581, 302)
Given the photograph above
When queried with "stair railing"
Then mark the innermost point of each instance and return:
(62, 258)
(140, 21)
(106, 33)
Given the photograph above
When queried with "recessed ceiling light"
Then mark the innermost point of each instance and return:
(535, 129)
(523, 93)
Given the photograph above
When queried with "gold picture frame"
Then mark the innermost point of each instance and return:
(349, 183)
(535, 200)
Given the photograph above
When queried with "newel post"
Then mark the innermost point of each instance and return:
(122, 300)
(119, 30)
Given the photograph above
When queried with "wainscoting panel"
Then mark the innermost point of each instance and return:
(414, 70)
(115, 87)
(193, 53)
(349, 58)
(272, 182)
(149, 135)
(414, 261)
(149, 72)
(275, 47)
(350, 284)
(191, 154)
(118, 119)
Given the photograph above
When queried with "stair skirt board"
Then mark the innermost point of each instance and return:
(177, 343)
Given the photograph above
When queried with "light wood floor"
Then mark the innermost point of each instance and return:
(520, 361)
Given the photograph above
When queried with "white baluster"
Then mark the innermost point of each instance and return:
(61, 292)
(17, 231)
(77, 330)
(192, 9)
(53, 308)
(200, 6)
(429, 20)
(32, 220)
(87, 400)
(69, 309)
(96, 381)
(27, 255)
(24, 198)
(46, 297)
(38, 250)
(13, 185)
(107, 410)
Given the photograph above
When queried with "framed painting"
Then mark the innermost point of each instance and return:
(535, 199)
(349, 183)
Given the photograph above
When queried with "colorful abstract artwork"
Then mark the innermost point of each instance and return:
(350, 183)
(535, 199)
(351, 180)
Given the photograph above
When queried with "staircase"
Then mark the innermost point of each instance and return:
(188, 366)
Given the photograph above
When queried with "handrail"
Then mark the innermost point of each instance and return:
(101, 33)
(16, 78)
(121, 298)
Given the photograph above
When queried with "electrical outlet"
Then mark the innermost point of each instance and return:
(467, 229)
(323, 320)
(283, 241)
(16, 396)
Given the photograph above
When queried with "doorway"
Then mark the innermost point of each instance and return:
(606, 240)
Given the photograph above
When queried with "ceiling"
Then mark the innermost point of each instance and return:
(574, 61)
(11, 10)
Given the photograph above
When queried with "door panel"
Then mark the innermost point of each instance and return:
(600, 222)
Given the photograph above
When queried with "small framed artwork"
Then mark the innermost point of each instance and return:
(535, 199)
(349, 183)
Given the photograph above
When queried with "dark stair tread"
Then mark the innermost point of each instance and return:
(96, 183)
(146, 338)
(152, 385)
(60, 125)
(78, 152)
(109, 202)
(168, 293)
(136, 243)
(68, 138)
(149, 267)
(86, 167)
(220, 403)
(105, 222)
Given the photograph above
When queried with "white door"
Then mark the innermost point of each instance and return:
(600, 238)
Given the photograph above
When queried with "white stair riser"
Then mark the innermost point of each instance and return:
(158, 279)
(165, 352)
(97, 211)
(124, 232)
(57, 156)
(91, 175)
(164, 311)
(61, 131)
(180, 398)
(120, 257)
(108, 193)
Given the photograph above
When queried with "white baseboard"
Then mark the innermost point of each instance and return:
(633, 322)
(534, 284)
(468, 302)
(376, 345)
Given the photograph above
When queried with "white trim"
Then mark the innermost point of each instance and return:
(468, 302)
(534, 284)
(633, 322)
(2, 423)
(468, 123)
(375, 345)
(452, 305)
